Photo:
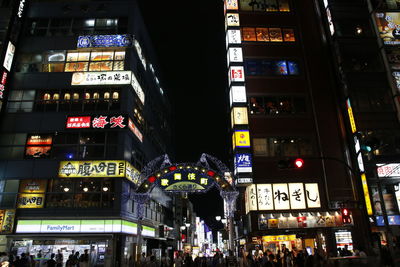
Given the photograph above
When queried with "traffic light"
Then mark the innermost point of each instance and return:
(291, 163)
(346, 219)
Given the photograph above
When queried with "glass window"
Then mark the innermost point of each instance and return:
(56, 56)
(119, 55)
(101, 66)
(76, 96)
(262, 34)
(248, 34)
(100, 56)
(259, 146)
(67, 96)
(54, 67)
(256, 105)
(275, 35)
(281, 67)
(76, 66)
(284, 6)
(118, 65)
(246, 5)
(106, 95)
(115, 95)
(293, 67)
(288, 35)
(271, 5)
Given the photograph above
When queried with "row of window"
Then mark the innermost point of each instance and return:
(265, 5)
(258, 34)
(56, 100)
(282, 147)
(262, 67)
(277, 105)
(76, 26)
(71, 61)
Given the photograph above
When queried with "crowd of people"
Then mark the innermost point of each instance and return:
(75, 259)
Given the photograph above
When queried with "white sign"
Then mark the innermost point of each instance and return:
(233, 37)
(281, 196)
(8, 59)
(21, 8)
(232, 19)
(137, 88)
(235, 55)
(60, 227)
(388, 170)
(237, 94)
(360, 162)
(239, 116)
(102, 78)
(265, 198)
(357, 144)
(312, 195)
(236, 74)
(239, 181)
(297, 197)
(251, 197)
(135, 130)
(397, 193)
(140, 53)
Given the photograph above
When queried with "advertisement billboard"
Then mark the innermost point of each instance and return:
(389, 27)
(101, 78)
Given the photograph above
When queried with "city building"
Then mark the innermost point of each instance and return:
(84, 112)
(368, 86)
(284, 106)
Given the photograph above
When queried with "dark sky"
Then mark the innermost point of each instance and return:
(189, 40)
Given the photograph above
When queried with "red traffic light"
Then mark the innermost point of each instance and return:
(299, 163)
(346, 218)
(345, 212)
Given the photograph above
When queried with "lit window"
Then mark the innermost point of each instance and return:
(76, 96)
(46, 97)
(248, 34)
(96, 96)
(288, 35)
(56, 96)
(106, 95)
(115, 95)
(67, 96)
(89, 23)
(275, 35)
(87, 96)
(262, 34)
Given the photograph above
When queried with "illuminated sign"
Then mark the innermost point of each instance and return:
(132, 174)
(140, 53)
(32, 186)
(21, 8)
(81, 122)
(367, 198)
(243, 181)
(97, 122)
(8, 59)
(239, 116)
(243, 163)
(233, 37)
(38, 146)
(282, 196)
(388, 170)
(137, 88)
(360, 162)
(237, 94)
(7, 224)
(236, 74)
(232, 19)
(389, 27)
(235, 54)
(185, 180)
(99, 168)
(102, 78)
(3, 83)
(397, 194)
(231, 4)
(30, 201)
(135, 130)
(278, 238)
(351, 116)
(330, 22)
(242, 138)
(76, 226)
(118, 40)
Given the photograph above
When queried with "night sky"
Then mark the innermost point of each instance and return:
(189, 40)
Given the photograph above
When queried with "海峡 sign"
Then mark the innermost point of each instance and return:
(117, 40)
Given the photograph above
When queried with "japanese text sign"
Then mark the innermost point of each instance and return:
(388, 170)
(97, 122)
(242, 138)
(79, 169)
(243, 163)
(118, 40)
(236, 74)
(237, 94)
(231, 4)
(102, 78)
(30, 201)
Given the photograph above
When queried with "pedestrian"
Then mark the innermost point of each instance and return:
(59, 259)
(178, 261)
(84, 259)
(70, 261)
(241, 258)
(76, 259)
(51, 262)
(165, 260)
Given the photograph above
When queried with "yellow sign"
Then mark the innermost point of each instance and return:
(242, 138)
(239, 116)
(132, 173)
(32, 186)
(8, 221)
(278, 238)
(82, 169)
(30, 201)
(366, 194)
(351, 117)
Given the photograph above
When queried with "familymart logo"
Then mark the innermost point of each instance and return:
(60, 228)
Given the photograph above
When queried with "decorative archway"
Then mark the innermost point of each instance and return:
(180, 178)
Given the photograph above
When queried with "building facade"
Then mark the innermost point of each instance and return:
(283, 100)
(84, 112)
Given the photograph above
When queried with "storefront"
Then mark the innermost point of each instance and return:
(104, 239)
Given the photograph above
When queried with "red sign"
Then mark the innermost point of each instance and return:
(78, 122)
(3, 83)
(135, 130)
(39, 140)
(4, 78)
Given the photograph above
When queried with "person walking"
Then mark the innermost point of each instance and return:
(59, 259)
(231, 260)
(84, 259)
(51, 262)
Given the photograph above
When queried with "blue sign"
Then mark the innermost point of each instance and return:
(118, 40)
(243, 162)
(392, 219)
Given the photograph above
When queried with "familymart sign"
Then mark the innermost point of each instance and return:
(80, 226)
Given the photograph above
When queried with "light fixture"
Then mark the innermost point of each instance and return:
(85, 189)
(105, 189)
(218, 218)
(183, 227)
(187, 225)
(66, 189)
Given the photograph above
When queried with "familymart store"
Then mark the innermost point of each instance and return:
(104, 239)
